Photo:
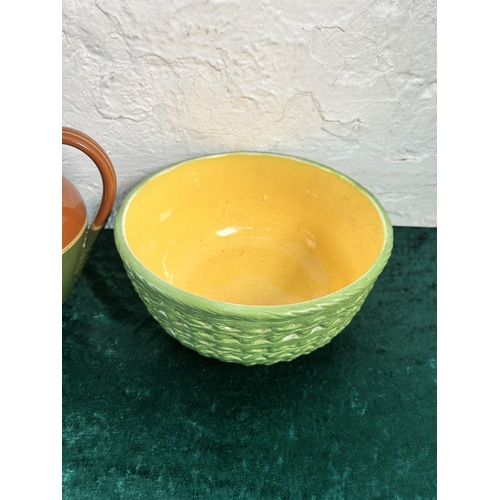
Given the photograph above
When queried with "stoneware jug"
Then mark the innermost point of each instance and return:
(77, 238)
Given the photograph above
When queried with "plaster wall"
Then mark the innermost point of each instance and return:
(351, 84)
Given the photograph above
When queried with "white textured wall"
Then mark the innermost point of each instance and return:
(348, 83)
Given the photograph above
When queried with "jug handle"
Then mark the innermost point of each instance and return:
(94, 151)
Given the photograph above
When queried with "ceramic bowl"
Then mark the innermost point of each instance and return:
(252, 258)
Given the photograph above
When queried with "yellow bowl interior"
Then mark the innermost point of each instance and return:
(254, 229)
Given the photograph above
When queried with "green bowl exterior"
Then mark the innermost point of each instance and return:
(245, 334)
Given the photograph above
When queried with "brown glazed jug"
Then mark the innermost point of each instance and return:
(77, 238)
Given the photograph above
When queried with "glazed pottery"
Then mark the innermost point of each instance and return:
(252, 258)
(77, 238)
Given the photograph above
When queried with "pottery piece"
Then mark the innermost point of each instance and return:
(77, 238)
(252, 258)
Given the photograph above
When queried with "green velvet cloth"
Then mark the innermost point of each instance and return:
(147, 418)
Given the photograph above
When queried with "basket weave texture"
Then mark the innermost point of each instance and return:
(262, 335)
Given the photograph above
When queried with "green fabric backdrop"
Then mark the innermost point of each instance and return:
(146, 418)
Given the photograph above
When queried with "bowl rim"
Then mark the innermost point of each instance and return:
(251, 311)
